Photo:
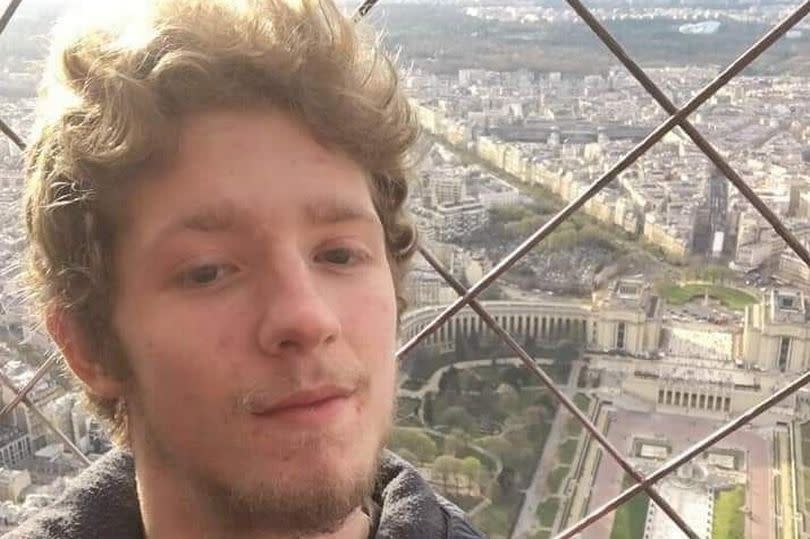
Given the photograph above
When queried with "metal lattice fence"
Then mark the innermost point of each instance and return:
(467, 297)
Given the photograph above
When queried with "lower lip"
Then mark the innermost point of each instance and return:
(318, 413)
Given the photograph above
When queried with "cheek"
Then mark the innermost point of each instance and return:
(369, 325)
(173, 371)
(369, 321)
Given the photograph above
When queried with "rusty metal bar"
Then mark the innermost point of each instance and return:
(690, 130)
(33, 407)
(24, 391)
(530, 364)
(11, 8)
(363, 9)
(8, 13)
(710, 89)
(688, 455)
(9, 132)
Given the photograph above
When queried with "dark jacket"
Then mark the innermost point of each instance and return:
(103, 504)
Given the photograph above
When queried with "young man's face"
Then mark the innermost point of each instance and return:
(256, 308)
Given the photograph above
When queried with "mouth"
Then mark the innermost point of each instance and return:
(309, 407)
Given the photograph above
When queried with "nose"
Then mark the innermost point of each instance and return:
(297, 314)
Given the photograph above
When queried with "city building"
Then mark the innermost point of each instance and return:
(13, 483)
(627, 317)
(15, 446)
(793, 269)
(776, 332)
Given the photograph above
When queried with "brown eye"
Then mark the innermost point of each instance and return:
(338, 256)
(205, 275)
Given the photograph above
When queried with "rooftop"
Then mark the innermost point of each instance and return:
(788, 305)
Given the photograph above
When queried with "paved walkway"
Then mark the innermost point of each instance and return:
(682, 432)
(537, 488)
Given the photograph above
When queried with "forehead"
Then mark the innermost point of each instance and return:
(249, 162)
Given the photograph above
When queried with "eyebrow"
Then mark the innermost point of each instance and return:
(222, 217)
(217, 218)
(336, 211)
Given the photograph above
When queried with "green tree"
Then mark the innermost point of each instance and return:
(508, 399)
(447, 467)
(427, 412)
(471, 469)
(418, 443)
(410, 456)
(456, 442)
(457, 416)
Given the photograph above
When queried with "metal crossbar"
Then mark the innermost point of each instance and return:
(34, 408)
(690, 130)
(21, 394)
(468, 296)
(9, 132)
(11, 8)
(676, 118)
(689, 454)
(529, 363)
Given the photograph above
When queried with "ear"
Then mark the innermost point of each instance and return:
(79, 354)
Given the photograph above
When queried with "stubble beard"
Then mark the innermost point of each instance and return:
(317, 503)
(314, 501)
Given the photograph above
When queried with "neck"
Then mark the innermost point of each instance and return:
(171, 508)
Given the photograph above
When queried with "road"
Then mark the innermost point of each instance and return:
(537, 488)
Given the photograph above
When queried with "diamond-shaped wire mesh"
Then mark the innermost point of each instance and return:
(677, 117)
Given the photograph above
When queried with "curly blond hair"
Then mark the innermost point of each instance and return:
(111, 101)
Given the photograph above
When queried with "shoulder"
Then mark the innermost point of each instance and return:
(462, 529)
(458, 526)
(410, 509)
(101, 503)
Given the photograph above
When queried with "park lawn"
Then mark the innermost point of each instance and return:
(413, 385)
(630, 517)
(567, 450)
(406, 411)
(547, 510)
(573, 427)
(583, 402)
(806, 479)
(804, 434)
(556, 477)
(495, 519)
(730, 297)
(729, 520)
(804, 431)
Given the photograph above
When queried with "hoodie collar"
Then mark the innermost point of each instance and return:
(102, 502)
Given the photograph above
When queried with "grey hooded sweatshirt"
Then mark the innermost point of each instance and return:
(103, 504)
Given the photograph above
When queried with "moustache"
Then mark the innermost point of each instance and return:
(325, 380)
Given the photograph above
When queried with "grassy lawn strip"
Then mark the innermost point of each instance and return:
(547, 510)
(567, 450)
(495, 520)
(730, 297)
(804, 475)
(573, 427)
(583, 402)
(556, 477)
(729, 520)
(630, 517)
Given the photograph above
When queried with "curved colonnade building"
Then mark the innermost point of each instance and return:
(627, 320)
